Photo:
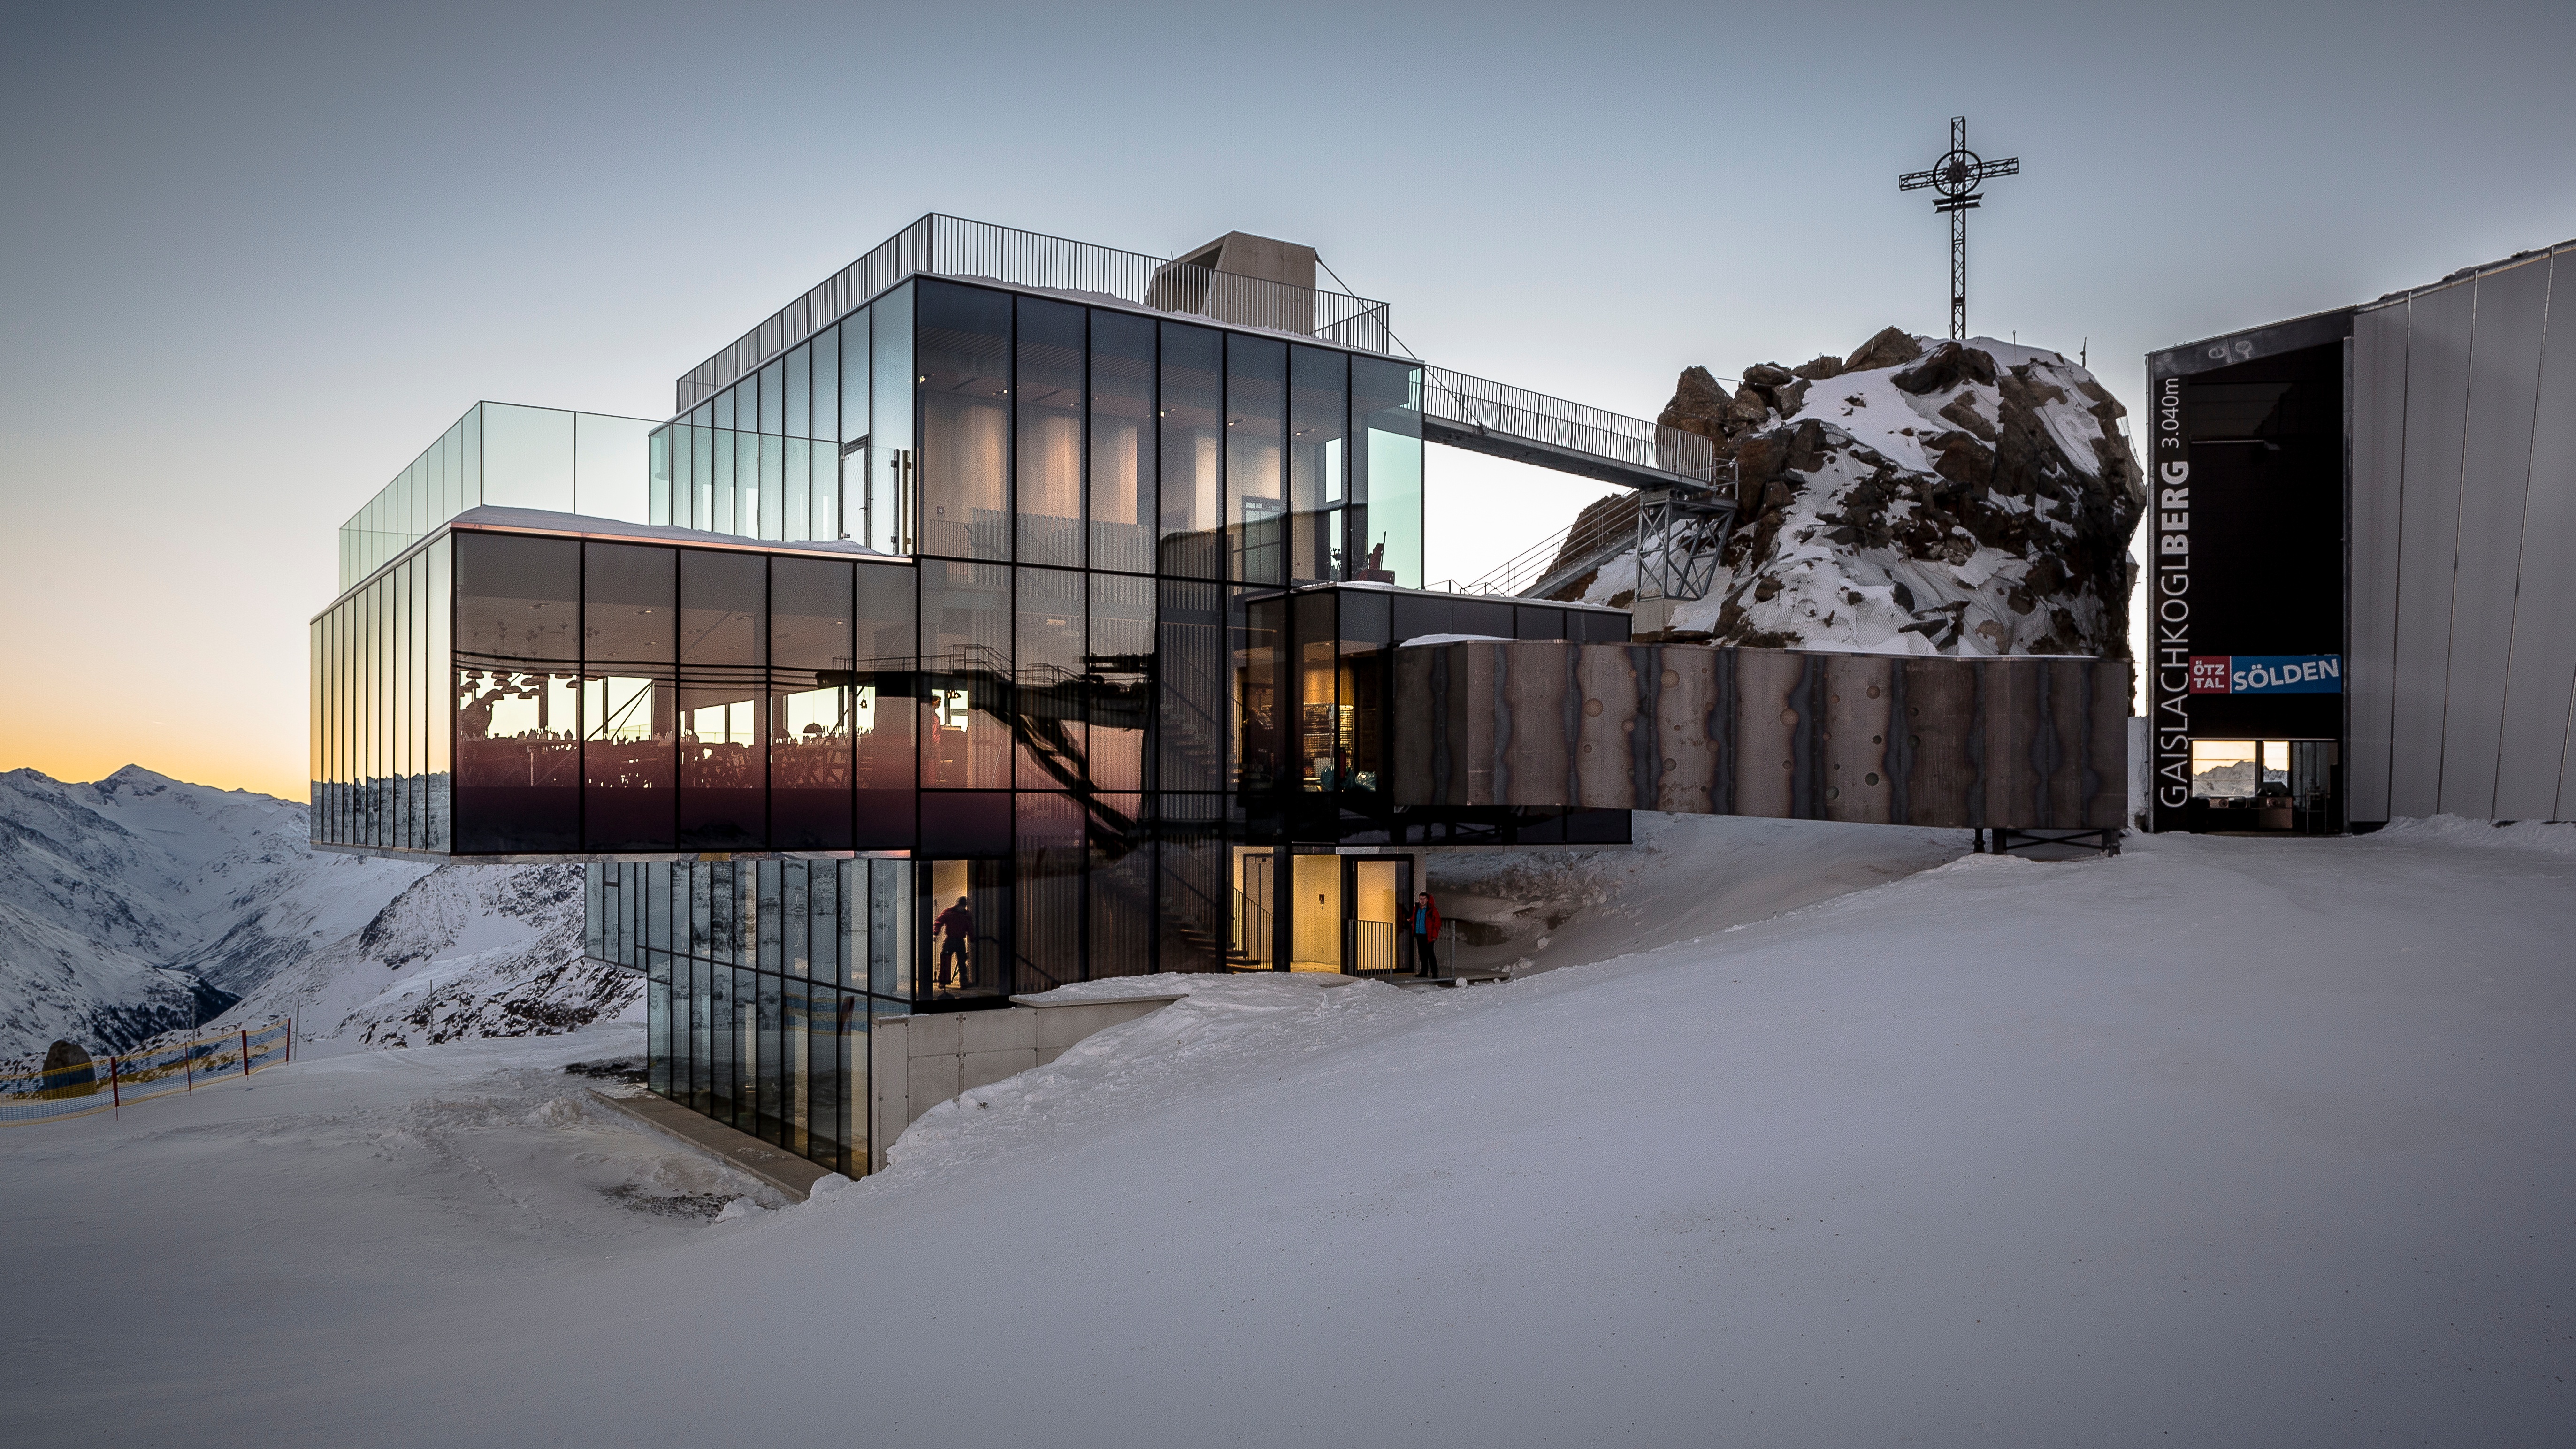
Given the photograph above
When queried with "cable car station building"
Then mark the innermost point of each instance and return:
(2362, 575)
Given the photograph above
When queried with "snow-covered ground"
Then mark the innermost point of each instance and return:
(2222, 1140)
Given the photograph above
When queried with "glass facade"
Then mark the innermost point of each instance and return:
(1030, 624)
(761, 979)
(507, 456)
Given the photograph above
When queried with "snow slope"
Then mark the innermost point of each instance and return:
(2236, 1141)
(118, 896)
(139, 905)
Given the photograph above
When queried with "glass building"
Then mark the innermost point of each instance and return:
(995, 617)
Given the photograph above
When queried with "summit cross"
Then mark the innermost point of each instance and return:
(1955, 177)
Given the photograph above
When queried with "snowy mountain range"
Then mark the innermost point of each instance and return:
(138, 905)
(1919, 496)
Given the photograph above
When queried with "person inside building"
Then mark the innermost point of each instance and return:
(1426, 936)
(956, 928)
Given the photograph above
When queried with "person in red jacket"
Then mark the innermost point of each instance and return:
(1426, 932)
(956, 928)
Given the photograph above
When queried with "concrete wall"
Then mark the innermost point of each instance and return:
(2018, 742)
(918, 1062)
(2462, 591)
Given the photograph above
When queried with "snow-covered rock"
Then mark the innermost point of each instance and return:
(1917, 497)
(137, 905)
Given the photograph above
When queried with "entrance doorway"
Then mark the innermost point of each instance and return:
(1338, 913)
(967, 916)
(1380, 893)
(2285, 787)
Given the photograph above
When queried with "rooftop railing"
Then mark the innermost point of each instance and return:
(950, 246)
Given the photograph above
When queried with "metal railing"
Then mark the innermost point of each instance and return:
(1517, 412)
(1580, 545)
(951, 246)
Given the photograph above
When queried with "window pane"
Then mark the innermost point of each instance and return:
(1256, 409)
(1318, 407)
(628, 637)
(659, 496)
(797, 493)
(1191, 675)
(827, 385)
(894, 503)
(1195, 913)
(1047, 900)
(724, 631)
(812, 731)
(1120, 852)
(773, 489)
(965, 336)
(1386, 482)
(1048, 391)
(1192, 393)
(966, 675)
(854, 377)
(798, 418)
(518, 651)
(1122, 442)
(1260, 723)
(884, 721)
(1049, 669)
(773, 396)
(1121, 657)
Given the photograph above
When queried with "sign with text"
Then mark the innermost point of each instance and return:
(2267, 674)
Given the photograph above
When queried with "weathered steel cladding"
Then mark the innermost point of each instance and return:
(2011, 742)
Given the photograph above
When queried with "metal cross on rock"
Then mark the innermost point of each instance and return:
(1955, 177)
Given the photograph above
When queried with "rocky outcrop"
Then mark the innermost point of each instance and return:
(1917, 496)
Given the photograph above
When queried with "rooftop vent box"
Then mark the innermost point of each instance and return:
(1276, 286)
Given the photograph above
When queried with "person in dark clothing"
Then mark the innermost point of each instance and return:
(956, 928)
(1426, 934)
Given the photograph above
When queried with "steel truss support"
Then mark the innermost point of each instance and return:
(1679, 539)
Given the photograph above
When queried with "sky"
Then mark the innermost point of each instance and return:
(253, 258)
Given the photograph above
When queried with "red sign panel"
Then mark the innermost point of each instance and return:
(2209, 673)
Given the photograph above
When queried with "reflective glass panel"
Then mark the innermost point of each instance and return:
(1192, 466)
(965, 366)
(966, 676)
(1318, 409)
(1048, 392)
(724, 647)
(629, 633)
(1049, 666)
(1256, 408)
(883, 708)
(1121, 499)
(813, 732)
(1386, 529)
(517, 701)
(1121, 663)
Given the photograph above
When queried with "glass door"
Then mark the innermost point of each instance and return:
(1379, 894)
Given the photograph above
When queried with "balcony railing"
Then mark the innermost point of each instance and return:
(950, 246)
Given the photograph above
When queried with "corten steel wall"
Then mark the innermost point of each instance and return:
(2019, 743)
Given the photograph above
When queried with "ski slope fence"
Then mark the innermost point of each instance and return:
(154, 1070)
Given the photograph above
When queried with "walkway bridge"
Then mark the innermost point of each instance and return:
(1684, 505)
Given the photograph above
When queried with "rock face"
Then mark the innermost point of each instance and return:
(1918, 496)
